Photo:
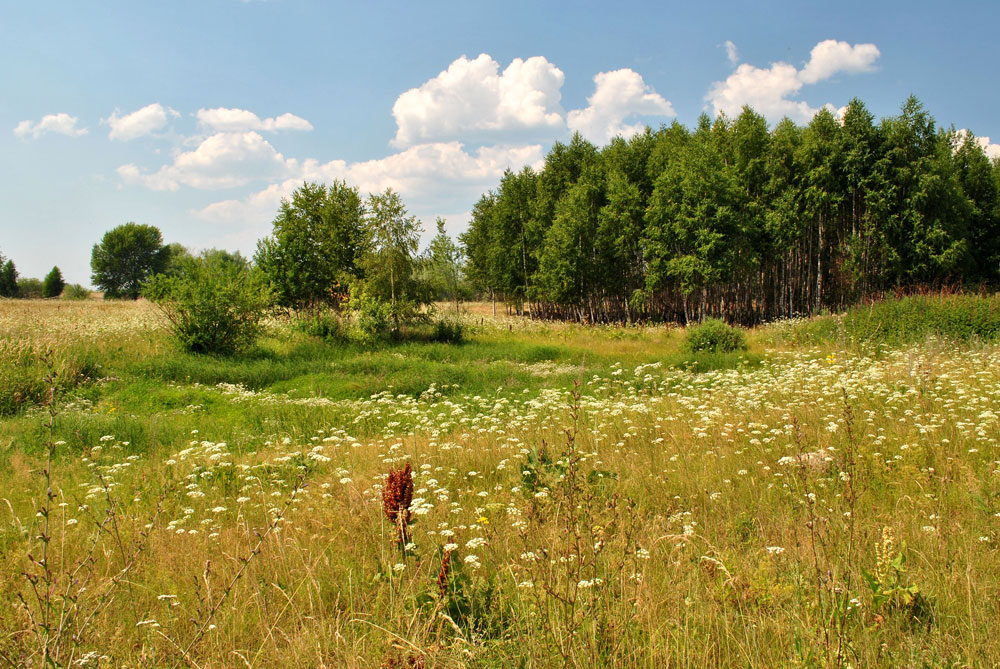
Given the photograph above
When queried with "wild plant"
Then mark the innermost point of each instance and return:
(580, 563)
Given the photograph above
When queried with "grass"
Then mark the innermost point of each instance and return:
(806, 503)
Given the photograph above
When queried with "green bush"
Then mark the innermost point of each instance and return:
(30, 289)
(215, 305)
(714, 336)
(374, 317)
(74, 291)
(448, 332)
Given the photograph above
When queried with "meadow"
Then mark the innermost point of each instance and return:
(581, 496)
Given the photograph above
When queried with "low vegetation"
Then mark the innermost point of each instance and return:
(544, 494)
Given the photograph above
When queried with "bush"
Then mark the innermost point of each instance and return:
(30, 289)
(74, 291)
(214, 305)
(714, 336)
(373, 317)
(448, 332)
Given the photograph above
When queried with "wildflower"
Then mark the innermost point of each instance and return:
(775, 550)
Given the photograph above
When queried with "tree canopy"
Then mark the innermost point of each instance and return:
(736, 219)
(125, 258)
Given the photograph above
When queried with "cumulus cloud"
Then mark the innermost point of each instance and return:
(222, 119)
(770, 91)
(731, 53)
(619, 95)
(223, 160)
(140, 122)
(472, 97)
(427, 176)
(60, 124)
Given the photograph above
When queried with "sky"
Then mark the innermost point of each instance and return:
(198, 116)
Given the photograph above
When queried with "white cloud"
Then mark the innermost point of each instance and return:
(830, 57)
(61, 124)
(731, 53)
(140, 122)
(770, 90)
(223, 160)
(619, 95)
(428, 176)
(222, 119)
(472, 98)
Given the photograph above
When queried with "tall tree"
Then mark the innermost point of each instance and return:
(393, 236)
(8, 278)
(125, 258)
(312, 253)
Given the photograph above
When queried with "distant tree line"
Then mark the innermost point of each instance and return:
(737, 220)
(12, 284)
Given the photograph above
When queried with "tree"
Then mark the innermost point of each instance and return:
(444, 265)
(126, 258)
(8, 279)
(53, 284)
(312, 254)
(392, 244)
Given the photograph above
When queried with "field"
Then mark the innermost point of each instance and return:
(582, 496)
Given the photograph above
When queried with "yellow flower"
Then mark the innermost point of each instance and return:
(483, 520)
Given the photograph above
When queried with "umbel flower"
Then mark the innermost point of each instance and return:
(396, 498)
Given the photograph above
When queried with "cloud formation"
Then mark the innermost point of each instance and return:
(426, 175)
(731, 53)
(60, 124)
(619, 95)
(472, 98)
(770, 90)
(140, 122)
(222, 119)
(223, 160)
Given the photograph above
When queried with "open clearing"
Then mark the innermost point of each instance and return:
(581, 496)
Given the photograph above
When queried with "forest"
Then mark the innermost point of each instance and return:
(741, 221)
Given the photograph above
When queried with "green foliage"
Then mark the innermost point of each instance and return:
(714, 336)
(733, 219)
(389, 261)
(324, 323)
(912, 319)
(74, 291)
(30, 289)
(8, 278)
(312, 254)
(53, 284)
(125, 258)
(374, 317)
(448, 331)
(216, 304)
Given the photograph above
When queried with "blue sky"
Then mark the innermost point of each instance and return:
(197, 116)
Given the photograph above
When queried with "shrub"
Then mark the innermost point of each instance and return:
(912, 319)
(448, 332)
(373, 317)
(30, 289)
(714, 336)
(74, 291)
(214, 305)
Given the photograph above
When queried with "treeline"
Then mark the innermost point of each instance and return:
(12, 284)
(737, 220)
